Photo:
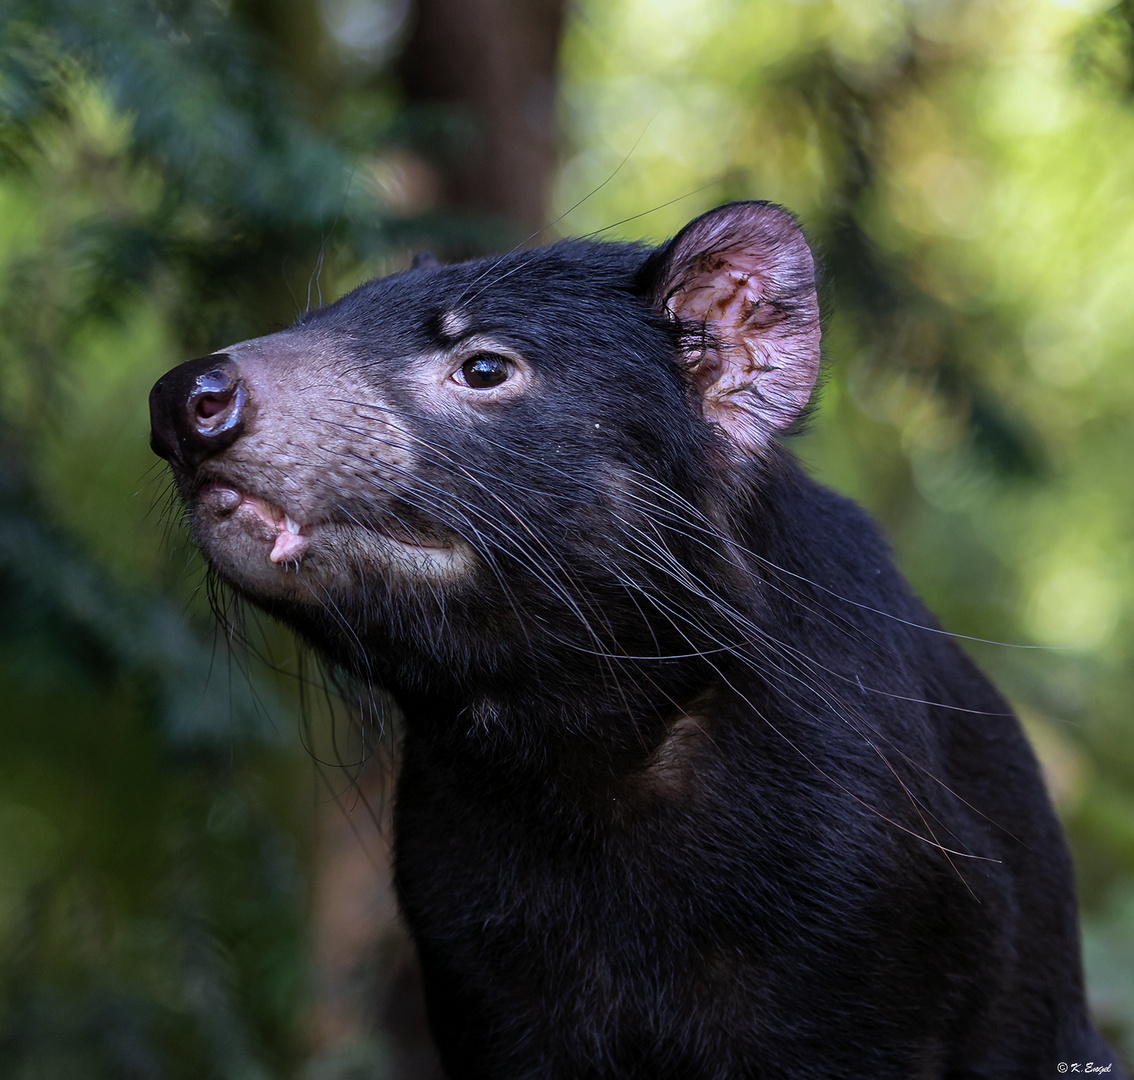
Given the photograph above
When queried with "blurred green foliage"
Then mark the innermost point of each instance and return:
(161, 192)
(168, 183)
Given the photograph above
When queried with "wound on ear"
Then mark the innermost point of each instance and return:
(741, 281)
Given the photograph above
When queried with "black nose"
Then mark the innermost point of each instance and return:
(197, 410)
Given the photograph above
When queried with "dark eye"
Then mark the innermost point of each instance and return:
(484, 370)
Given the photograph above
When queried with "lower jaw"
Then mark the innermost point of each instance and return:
(313, 565)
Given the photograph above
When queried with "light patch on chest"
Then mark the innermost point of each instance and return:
(671, 771)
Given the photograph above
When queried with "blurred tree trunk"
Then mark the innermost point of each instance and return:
(367, 981)
(492, 65)
(294, 32)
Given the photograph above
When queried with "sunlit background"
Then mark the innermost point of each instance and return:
(191, 884)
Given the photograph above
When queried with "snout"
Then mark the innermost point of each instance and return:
(197, 410)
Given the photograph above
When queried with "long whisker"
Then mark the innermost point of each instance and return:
(709, 530)
(551, 224)
(645, 516)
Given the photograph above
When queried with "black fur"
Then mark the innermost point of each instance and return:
(691, 785)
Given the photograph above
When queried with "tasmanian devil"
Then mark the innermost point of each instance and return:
(690, 784)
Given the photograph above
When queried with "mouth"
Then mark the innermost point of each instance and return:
(291, 538)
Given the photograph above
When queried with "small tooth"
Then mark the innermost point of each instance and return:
(288, 548)
(292, 527)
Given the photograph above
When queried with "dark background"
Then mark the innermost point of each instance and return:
(192, 876)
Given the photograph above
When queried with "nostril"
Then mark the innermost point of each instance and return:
(217, 401)
(210, 405)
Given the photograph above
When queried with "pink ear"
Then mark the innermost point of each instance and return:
(742, 281)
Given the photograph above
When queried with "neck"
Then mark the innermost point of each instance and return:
(581, 747)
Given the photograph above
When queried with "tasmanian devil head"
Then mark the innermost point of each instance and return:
(455, 465)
